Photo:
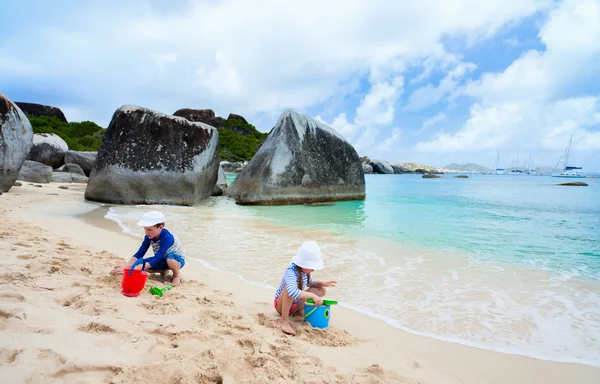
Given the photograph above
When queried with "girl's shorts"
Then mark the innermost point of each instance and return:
(292, 308)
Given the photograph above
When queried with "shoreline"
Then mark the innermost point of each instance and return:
(364, 343)
(270, 225)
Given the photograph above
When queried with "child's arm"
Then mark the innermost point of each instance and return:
(292, 287)
(140, 253)
(320, 284)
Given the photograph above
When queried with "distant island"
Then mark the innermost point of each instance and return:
(469, 167)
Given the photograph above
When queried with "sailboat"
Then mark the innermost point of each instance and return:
(570, 171)
(499, 171)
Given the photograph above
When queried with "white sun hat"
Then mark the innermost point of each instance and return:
(151, 218)
(308, 256)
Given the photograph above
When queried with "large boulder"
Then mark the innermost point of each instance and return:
(398, 169)
(16, 139)
(66, 177)
(37, 110)
(367, 169)
(381, 167)
(221, 184)
(48, 149)
(302, 161)
(35, 172)
(72, 168)
(206, 116)
(84, 159)
(147, 157)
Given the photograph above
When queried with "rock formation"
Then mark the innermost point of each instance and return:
(147, 157)
(37, 110)
(16, 139)
(302, 161)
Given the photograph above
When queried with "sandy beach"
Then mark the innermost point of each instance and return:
(64, 320)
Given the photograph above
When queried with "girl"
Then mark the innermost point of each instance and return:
(297, 286)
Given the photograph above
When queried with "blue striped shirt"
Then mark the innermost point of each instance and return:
(166, 244)
(289, 281)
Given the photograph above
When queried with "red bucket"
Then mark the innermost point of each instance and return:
(133, 284)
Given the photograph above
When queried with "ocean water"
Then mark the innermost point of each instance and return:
(504, 263)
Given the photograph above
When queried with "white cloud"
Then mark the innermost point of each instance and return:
(433, 120)
(391, 142)
(430, 95)
(534, 103)
(230, 57)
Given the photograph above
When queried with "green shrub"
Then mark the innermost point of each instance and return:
(241, 146)
(82, 136)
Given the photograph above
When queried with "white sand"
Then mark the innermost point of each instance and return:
(63, 319)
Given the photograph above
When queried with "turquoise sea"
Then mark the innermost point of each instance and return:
(505, 263)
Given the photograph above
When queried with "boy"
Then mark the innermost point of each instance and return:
(168, 253)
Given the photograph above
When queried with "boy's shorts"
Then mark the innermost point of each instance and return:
(162, 264)
(292, 308)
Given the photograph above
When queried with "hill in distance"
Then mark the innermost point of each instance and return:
(469, 167)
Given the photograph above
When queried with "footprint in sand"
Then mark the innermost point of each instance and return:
(22, 244)
(49, 354)
(89, 373)
(12, 295)
(26, 257)
(94, 327)
(8, 356)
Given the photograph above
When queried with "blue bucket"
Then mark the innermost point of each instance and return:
(317, 315)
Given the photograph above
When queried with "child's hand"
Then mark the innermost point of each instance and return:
(330, 283)
(318, 300)
(116, 270)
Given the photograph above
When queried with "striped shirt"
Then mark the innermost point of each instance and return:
(166, 244)
(289, 281)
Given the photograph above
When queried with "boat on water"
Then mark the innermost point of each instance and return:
(570, 172)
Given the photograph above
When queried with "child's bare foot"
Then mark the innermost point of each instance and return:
(286, 327)
(163, 274)
(176, 280)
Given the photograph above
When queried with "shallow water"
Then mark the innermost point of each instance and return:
(506, 263)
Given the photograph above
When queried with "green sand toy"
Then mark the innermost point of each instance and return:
(325, 302)
(160, 291)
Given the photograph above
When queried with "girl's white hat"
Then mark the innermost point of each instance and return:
(308, 256)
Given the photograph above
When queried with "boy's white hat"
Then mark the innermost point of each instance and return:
(308, 256)
(151, 218)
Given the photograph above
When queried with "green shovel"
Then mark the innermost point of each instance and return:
(160, 291)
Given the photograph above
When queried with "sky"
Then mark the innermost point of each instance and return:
(432, 82)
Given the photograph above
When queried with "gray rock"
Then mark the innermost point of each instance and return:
(367, 169)
(147, 157)
(574, 184)
(398, 169)
(461, 177)
(65, 177)
(17, 184)
(217, 190)
(436, 172)
(35, 172)
(73, 168)
(84, 159)
(302, 161)
(234, 167)
(430, 176)
(381, 167)
(63, 187)
(421, 171)
(48, 149)
(16, 139)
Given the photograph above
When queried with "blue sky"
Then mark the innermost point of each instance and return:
(434, 82)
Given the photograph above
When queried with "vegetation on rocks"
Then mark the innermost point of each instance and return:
(239, 141)
(82, 136)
